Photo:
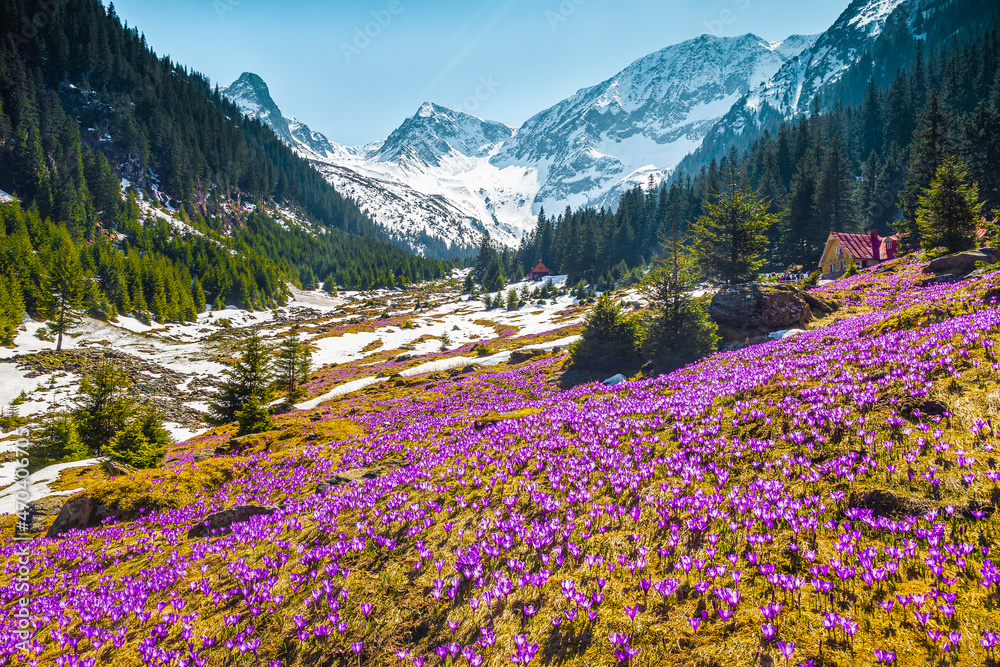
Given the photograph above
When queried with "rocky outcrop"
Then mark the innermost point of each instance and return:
(221, 523)
(753, 309)
(38, 513)
(961, 263)
(817, 304)
(170, 390)
(79, 513)
(520, 356)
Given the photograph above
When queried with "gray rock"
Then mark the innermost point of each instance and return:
(221, 523)
(618, 378)
(235, 445)
(352, 475)
(38, 512)
(519, 356)
(960, 263)
(819, 304)
(283, 409)
(756, 308)
(79, 513)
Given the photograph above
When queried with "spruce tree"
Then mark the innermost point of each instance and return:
(11, 307)
(142, 443)
(731, 237)
(930, 143)
(249, 377)
(980, 132)
(63, 293)
(677, 329)
(293, 362)
(799, 237)
(198, 296)
(950, 209)
(610, 340)
(833, 209)
(103, 406)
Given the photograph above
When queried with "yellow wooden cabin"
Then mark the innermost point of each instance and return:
(864, 250)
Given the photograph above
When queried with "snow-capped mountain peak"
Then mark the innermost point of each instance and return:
(444, 176)
(435, 132)
(642, 121)
(251, 95)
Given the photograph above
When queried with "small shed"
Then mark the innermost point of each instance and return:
(540, 271)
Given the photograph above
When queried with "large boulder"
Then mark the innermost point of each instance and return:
(38, 513)
(79, 513)
(961, 263)
(221, 523)
(756, 308)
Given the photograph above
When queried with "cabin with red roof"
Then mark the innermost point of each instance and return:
(864, 250)
(540, 271)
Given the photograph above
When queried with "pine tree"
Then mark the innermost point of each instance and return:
(11, 307)
(930, 143)
(511, 299)
(142, 443)
(294, 358)
(833, 200)
(980, 132)
(610, 340)
(253, 417)
(799, 237)
(198, 296)
(731, 237)
(63, 293)
(248, 378)
(950, 208)
(493, 279)
(867, 193)
(56, 439)
(103, 406)
(677, 329)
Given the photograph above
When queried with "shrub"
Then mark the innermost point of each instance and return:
(677, 329)
(253, 417)
(610, 340)
(142, 443)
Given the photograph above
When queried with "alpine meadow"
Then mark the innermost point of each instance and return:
(696, 365)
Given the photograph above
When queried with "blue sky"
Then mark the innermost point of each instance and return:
(354, 70)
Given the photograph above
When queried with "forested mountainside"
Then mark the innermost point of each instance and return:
(853, 168)
(86, 108)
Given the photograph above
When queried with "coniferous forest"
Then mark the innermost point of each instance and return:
(853, 168)
(87, 108)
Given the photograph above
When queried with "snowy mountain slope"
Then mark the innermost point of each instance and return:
(429, 184)
(443, 176)
(793, 89)
(643, 120)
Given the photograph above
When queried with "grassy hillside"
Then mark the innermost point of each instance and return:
(825, 499)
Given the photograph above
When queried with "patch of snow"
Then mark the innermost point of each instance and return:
(38, 483)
